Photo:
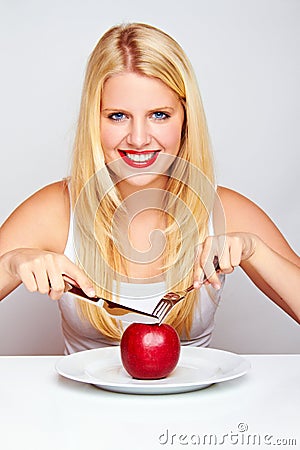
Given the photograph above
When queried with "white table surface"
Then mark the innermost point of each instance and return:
(40, 410)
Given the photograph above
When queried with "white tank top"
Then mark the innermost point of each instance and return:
(80, 335)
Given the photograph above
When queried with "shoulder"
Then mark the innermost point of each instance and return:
(42, 220)
(243, 215)
(54, 196)
(237, 208)
(240, 212)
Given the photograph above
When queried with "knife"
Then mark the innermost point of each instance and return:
(115, 310)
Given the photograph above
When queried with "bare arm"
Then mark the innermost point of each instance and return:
(255, 243)
(32, 243)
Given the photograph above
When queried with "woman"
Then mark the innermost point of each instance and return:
(141, 206)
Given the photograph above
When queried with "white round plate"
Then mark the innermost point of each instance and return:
(197, 368)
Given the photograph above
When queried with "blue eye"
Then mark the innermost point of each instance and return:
(117, 116)
(159, 115)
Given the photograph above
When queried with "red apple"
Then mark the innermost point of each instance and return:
(150, 351)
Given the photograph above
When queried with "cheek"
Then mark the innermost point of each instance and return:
(105, 139)
(109, 137)
(172, 137)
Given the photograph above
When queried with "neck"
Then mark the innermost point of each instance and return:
(127, 189)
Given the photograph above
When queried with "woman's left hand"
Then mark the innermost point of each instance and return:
(230, 249)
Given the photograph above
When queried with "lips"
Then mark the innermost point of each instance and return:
(139, 159)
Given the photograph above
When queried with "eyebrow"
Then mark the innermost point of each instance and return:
(160, 108)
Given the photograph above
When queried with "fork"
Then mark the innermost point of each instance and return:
(169, 300)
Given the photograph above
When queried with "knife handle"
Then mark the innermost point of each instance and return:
(80, 293)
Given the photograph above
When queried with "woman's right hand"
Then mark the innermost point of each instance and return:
(44, 271)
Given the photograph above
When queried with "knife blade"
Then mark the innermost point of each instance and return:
(115, 310)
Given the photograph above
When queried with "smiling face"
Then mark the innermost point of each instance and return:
(141, 119)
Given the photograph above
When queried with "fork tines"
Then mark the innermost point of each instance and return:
(162, 310)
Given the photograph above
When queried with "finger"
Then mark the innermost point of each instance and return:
(198, 274)
(42, 281)
(217, 250)
(225, 262)
(75, 273)
(207, 257)
(54, 276)
(207, 260)
(236, 250)
(55, 293)
(69, 279)
(214, 280)
(57, 285)
(231, 256)
(28, 280)
(34, 275)
(198, 277)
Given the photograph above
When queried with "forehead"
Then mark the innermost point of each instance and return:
(129, 88)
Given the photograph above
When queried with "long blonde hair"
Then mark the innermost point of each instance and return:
(145, 50)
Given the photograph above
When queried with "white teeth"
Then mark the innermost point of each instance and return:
(140, 157)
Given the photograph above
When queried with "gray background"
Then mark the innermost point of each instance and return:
(247, 60)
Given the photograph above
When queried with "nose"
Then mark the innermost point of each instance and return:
(138, 135)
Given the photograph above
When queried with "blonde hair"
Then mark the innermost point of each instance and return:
(145, 50)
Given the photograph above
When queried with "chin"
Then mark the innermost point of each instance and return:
(144, 179)
(153, 176)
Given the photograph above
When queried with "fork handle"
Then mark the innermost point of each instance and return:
(190, 288)
(216, 266)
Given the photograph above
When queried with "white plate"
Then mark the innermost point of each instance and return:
(197, 368)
